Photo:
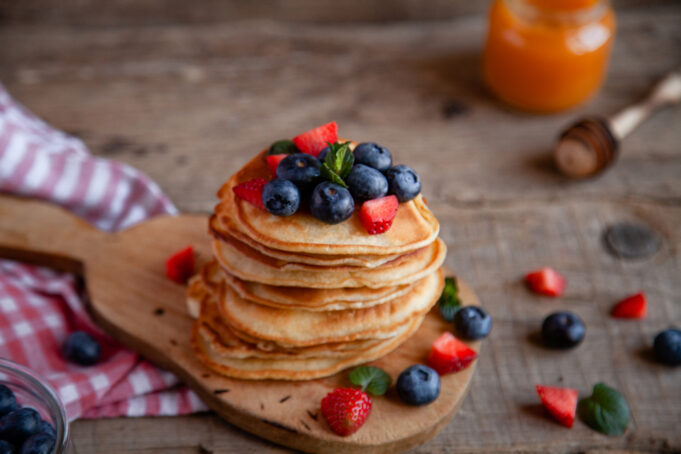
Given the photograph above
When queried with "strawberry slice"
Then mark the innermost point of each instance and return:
(273, 161)
(180, 265)
(449, 354)
(251, 191)
(561, 403)
(315, 140)
(377, 215)
(634, 306)
(546, 281)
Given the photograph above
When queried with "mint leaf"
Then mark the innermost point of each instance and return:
(372, 379)
(283, 147)
(449, 302)
(606, 410)
(331, 175)
(338, 163)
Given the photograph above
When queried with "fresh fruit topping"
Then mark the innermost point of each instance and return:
(16, 426)
(273, 162)
(606, 410)
(472, 322)
(81, 348)
(561, 403)
(337, 163)
(667, 347)
(449, 354)
(403, 182)
(39, 443)
(546, 281)
(418, 385)
(377, 215)
(634, 306)
(283, 147)
(281, 197)
(449, 302)
(314, 140)
(251, 191)
(562, 330)
(366, 183)
(373, 155)
(373, 380)
(6, 447)
(322, 154)
(301, 169)
(180, 265)
(331, 203)
(346, 409)
(8, 401)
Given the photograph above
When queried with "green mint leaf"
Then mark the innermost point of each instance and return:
(449, 302)
(340, 158)
(372, 379)
(331, 175)
(283, 147)
(606, 410)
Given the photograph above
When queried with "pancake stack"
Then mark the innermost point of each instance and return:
(294, 298)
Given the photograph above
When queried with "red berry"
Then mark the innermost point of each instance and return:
(546, 281)
(273, 161)
(561, 403)
(315, 140)
(449, 354)
(180, 265)
(377, 215)
(634, 306)
(346, 409)
(251, 191)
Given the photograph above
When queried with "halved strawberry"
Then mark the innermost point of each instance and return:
(315, 140)
(346, 409)
(561, 403)
(377, 215)
(634, 306)
(180, 265)
(546, 281)
(449, 354)
(273, 161)
(251, 191)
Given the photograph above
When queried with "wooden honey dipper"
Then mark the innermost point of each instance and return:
(590, 145)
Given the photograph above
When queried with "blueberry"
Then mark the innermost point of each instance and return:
(6, 448)
(562, 330)
(366, 183)
(667, 347)
(418, 385)
(403, 182)
(301, 169)
(7, 400)
(322, 154)
(47, 428)
(373, 155)
(281, 197)
(81, 348)
(472, 322)
(38, 444)
(331, 203)
(18, 425)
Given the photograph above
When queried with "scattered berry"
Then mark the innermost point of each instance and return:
(561, 403)
(667, 347)
(546, 281)
(39, 443)
(81, 348)
(273, 161)
(301, 169)
(377, 215)
(283, 147)
(634, 306)
(331, 203)
(449, 354)
(472, 322)
(251, 191)
(17, 425)
(313, 141)
(373, 155)
(562, 330)
(8, 401)
(180, 265)
(281, 197)
(6, 448)
(346, 409)
(418, 385)
(403, 182)
(366, 183)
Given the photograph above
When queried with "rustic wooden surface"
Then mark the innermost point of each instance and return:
(190, 104)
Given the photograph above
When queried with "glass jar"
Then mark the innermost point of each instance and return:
(31, 390)
(547, 55)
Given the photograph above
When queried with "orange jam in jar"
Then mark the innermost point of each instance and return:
(547, 55)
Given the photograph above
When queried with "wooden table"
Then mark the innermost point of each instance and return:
(189, 104)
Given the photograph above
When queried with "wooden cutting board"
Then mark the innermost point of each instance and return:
(131, 298)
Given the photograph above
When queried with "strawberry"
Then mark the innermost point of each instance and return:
(180, 265)
(315, 140)
(449, 354)
(377, 215)
(346, 409)
(273, 161)
(251, 191)
(546, 281)
(634, 306)
(561, 403)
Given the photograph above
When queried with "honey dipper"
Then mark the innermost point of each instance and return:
(590, 145)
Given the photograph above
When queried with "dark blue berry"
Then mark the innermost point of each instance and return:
(7, 400)
(373, 155)
(331, 203)
(6, 448)
(472, 322)
(281, 197)
(403, 182)
(667, 347)
(18, 425)
(47, 428)
(366, 183)
(418, 385)
(562, 330)
(322, 154)
(40, 443)
(81, 348)
(301, 169)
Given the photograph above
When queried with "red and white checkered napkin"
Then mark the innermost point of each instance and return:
(39, 307)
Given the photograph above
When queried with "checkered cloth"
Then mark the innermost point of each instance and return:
(40, 307)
